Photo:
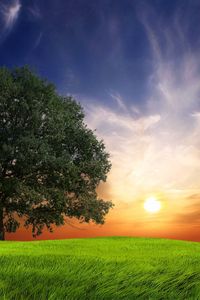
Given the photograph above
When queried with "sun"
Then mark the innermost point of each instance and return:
(152, 205)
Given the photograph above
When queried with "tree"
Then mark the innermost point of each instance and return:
(50, 161)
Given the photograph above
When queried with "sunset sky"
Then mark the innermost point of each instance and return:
(135, 68)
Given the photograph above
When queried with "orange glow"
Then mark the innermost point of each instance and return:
(130, 219)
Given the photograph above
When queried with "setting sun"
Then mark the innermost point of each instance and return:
(152, 205)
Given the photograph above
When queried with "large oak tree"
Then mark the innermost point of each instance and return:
(50, 161)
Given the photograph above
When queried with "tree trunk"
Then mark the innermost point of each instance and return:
(2, 233)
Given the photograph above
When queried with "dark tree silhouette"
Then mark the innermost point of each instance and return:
(50, 161)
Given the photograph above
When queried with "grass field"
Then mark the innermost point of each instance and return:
(100, 268)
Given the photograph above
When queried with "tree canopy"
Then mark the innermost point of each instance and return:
(50, 161)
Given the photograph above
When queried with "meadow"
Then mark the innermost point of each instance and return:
(100, 268)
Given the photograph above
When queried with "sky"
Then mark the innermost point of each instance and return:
(135, 68)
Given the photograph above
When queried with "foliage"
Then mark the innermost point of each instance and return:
(50, 161)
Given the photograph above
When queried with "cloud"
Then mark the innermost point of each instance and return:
(35, 11)
(117, 97)
(191, 214)
(9, 13)
(38, 40)
(129, 140)
(194, 197)
(157, 150)
(189, 218)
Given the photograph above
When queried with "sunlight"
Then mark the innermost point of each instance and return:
(152, 205)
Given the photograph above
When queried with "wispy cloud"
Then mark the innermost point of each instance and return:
(156, 151)
(118, 99)
(35, 11)
(9, 13)
(38, 40)
(129, 140)
(190, 215)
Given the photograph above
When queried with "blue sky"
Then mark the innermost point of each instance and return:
(135, 67)
(91, 48)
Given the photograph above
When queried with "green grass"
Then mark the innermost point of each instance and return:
(100, 268)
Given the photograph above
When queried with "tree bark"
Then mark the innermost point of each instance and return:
(2, 232)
